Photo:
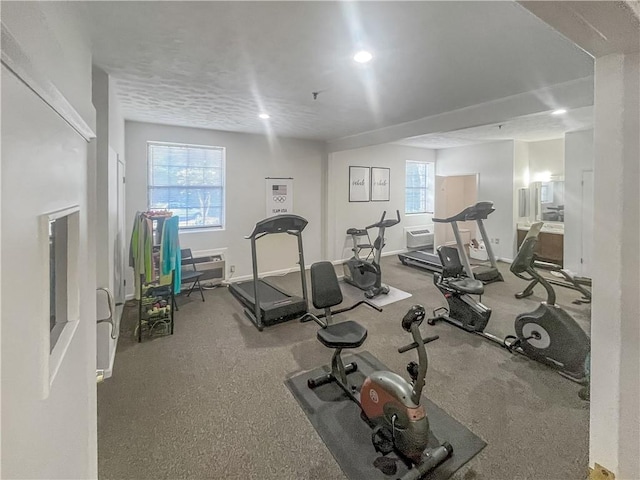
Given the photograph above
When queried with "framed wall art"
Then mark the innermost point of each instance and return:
(379, 184)
(359, 184)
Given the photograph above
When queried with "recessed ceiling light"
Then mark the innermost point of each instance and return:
(264, 116)
(560, 111)
(362, 56)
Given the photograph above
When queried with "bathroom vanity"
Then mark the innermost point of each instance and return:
(550, 244)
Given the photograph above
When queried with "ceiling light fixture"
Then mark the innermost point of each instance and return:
(363, 56)
(560, 111)
(264, 116)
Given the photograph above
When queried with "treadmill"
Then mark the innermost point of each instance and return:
(485, 273)
(266, 304)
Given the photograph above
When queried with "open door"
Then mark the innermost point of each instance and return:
(452, 195)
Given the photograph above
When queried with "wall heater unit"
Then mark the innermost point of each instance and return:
(419, 236)
(212, 264)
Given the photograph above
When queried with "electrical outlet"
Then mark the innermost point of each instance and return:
(232, 268)
(497, 241)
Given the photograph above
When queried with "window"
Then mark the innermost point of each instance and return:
(189, 181)
(419, 187)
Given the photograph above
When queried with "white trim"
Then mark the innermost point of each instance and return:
(393, 252)
(59, 351)
(15, 59)
(285, 271)
(273, 273)
(53, 357)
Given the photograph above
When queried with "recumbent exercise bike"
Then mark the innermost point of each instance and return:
(548, 335)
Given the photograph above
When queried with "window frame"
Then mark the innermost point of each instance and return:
(223, 185)
(429, 191)
(67, 300)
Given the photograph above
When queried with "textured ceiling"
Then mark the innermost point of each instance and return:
(217, 64)
(529, 129)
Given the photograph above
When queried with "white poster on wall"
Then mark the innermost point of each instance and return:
(380, 184)
(359, 184)
(279, 196)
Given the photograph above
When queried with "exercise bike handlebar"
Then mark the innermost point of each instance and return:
(386, 223)
(413, 345)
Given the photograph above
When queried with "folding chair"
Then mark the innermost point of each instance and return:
(190, 273)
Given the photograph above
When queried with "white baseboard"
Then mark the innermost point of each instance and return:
(290, 270)
(394, 252)
(273, 273)
(385, 254)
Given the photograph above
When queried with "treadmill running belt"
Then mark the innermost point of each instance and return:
(266, 292)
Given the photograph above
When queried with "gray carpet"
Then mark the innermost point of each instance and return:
(209, 401)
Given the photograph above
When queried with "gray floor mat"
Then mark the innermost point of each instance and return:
(337, 421)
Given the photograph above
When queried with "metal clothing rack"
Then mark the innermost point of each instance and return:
(157, 302)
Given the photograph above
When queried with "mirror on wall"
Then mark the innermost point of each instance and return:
(548, 201)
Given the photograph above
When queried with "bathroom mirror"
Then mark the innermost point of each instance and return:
(548, 199)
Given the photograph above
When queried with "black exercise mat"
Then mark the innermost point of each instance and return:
(337, 420)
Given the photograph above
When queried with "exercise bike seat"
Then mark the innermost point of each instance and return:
(466, 285)
(452, 271)
(348, 334)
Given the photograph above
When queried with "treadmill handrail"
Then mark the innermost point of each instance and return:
(479, 211)
(292, 224)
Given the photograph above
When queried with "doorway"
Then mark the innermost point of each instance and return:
(452, 195)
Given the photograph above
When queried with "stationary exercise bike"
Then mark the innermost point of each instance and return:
(362, 273)
(548, 335)
(389, 404)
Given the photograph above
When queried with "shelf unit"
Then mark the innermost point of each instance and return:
(156, 308)
(157, 302)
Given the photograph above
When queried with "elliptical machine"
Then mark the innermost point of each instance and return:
(548, 335)
(362, 273)
(389, 404)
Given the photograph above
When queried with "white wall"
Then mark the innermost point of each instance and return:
(249, 159)
(109, 146)
(546, 156)
(116, 121)
(615, 330)
(343, 214)
(494, 164)
(521, 175)
(578, 158)
(54, 435)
